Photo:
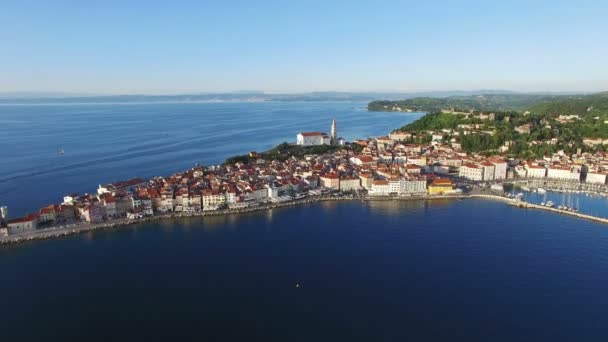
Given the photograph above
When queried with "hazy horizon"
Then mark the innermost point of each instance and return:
(192, 47)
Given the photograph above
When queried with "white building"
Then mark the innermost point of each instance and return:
(488, 171)
(212, 200)
(413, 186)
(535, 171)
(349, 184)
(379, 188)
(563, 173)
(312, 139)
(596, 177)
(471, 171)
(500, 168)
(399, 136)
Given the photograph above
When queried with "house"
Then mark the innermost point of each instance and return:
(312, 139)
(362, 160)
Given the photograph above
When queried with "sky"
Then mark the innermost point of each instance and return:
(170, 47)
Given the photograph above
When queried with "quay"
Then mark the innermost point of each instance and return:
(52, 233)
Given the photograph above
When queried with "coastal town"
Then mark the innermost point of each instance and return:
(380, 167)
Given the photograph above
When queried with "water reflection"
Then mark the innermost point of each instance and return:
(396, 207)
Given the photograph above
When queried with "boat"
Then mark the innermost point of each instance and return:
(60, 152)
(550, 204)
(541, 191)
(525, 188)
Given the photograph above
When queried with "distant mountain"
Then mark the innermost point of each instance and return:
(39, 95)
(253, 95)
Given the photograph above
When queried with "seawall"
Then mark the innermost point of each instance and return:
(51, 233)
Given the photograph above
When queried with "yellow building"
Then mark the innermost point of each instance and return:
(440, 186)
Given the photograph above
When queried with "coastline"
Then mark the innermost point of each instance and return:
(54, 233)
(51, 233)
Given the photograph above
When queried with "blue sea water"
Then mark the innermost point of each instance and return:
(104, 143)
(467, 270)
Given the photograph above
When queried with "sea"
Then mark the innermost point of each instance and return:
(444, 270)
(51, 150)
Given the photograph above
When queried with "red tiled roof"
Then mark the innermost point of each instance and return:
(312, 134)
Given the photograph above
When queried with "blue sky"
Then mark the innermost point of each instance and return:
(294, 46)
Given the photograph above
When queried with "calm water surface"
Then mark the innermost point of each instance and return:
(382, 271)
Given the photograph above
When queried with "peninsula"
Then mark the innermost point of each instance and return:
(448, 153)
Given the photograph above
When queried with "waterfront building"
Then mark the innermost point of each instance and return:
(48, 214)
(380, 187)
(440, 186)
(535, 171)
(366, 180)
(212, 199)
(488, 171)
(412, 186)
(110, 203)
(22, 224)
(312, 139)
(562, 173)
(94, 212)
(394, 186)
(350, 184)
(500, 168)
(471, 171)
(330, 180)
(596, 177)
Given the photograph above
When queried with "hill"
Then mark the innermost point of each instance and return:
(483, 102)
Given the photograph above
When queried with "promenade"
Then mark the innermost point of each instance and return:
(57, 232)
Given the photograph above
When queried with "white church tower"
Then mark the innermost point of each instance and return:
(334, 133)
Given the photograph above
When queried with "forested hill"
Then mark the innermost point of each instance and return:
(545, 127)
(594, 105)
(466, 103)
